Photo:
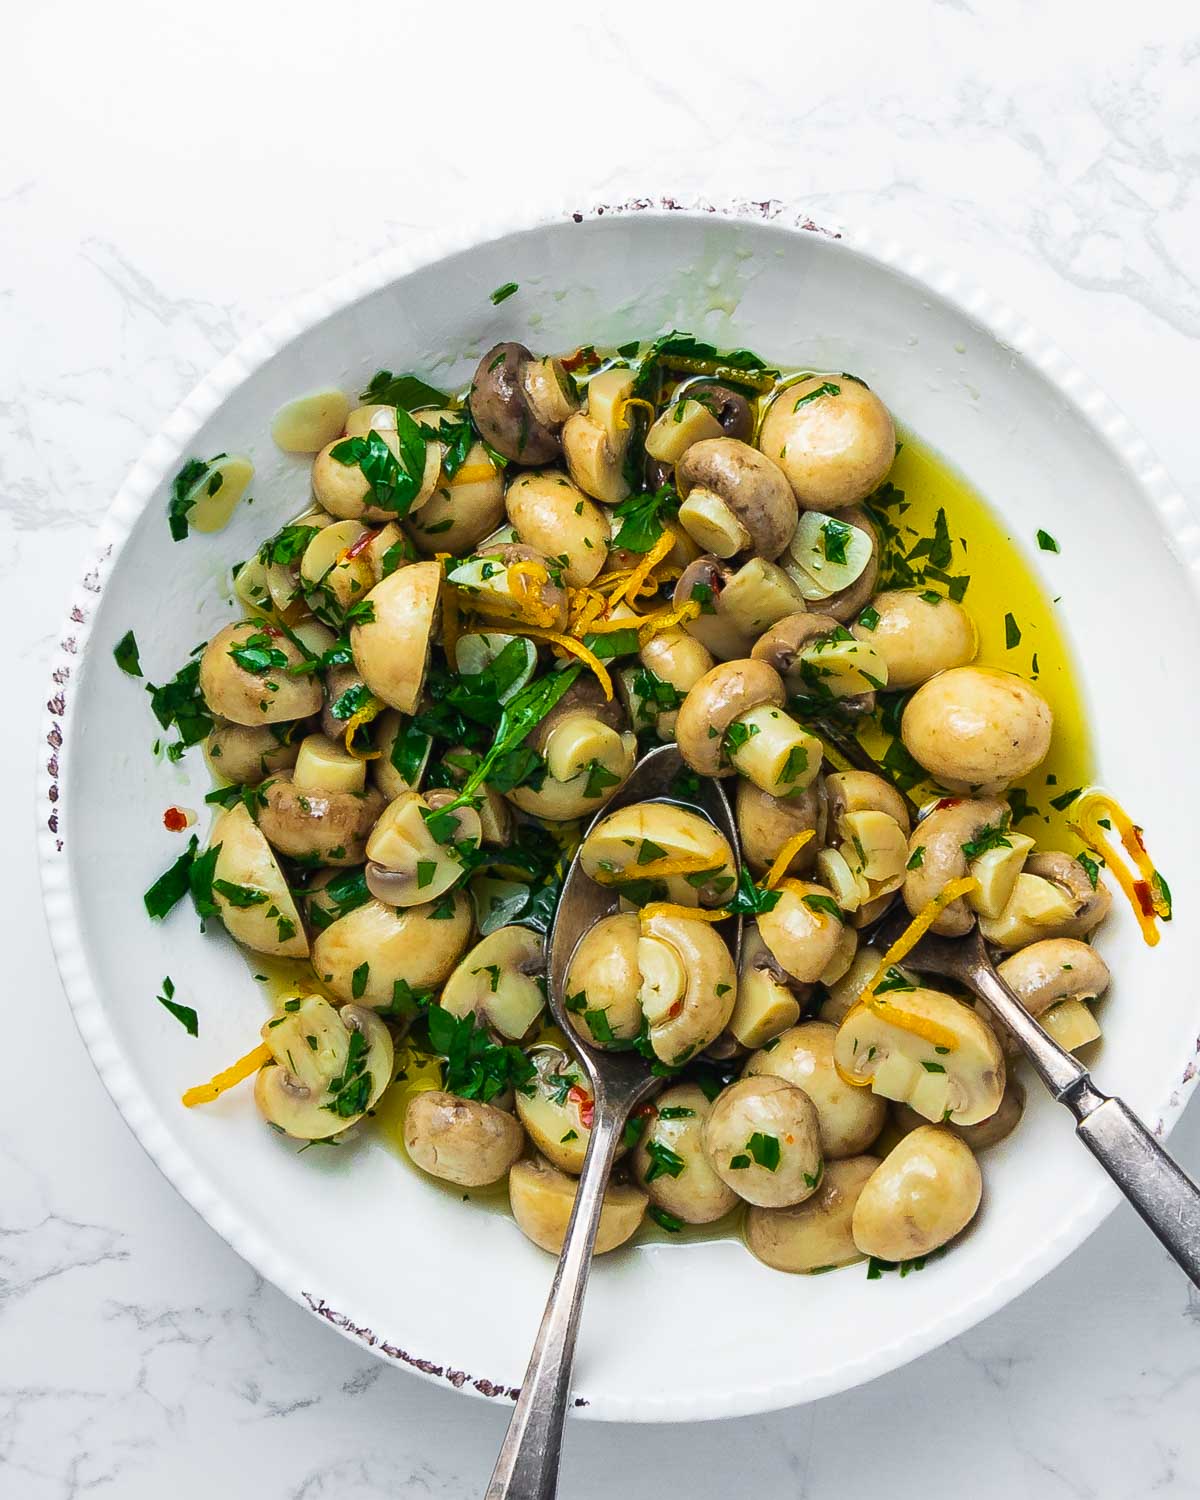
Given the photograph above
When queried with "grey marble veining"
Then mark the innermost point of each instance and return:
(168, 178)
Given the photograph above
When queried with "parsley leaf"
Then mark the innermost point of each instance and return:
(184, 1014)
(394, 481)
(125, 654)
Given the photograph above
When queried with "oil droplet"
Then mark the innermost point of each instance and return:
(218, 492)
(306, 424)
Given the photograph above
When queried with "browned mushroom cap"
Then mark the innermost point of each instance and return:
(504, 413)
(753, 489)
(702, 581)
(722, 695)
(729, 407)
(939, 845)
(308, 824)
(781, 647)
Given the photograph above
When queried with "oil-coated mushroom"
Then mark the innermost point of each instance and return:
(249, 888)
(701, 583)
(595, 441)
(814, 1235)
(734, 500)
(463, 1141)
(391, 644)
(926, 1191)
(519, 404)
(804, 930)
(330, 1067)
(378, 954)
(556, 1109)
(402, 760)
(315, 825)
(918, 635)
(834, 561)
(344, 490)
(1053, 897)
(638, 850)
(603, 980)
(766, 1005)
(844, 994)
(762, 1137)
(688, 985)
(732, 722)
(730, 407)
(500, 981)
(670, 1162)
(683, 423)
(416, 850)
(588, 752)
(465, 505)
(832, 437)
(850, 1118)
(673, 657)
(821, 662)
(542, 1199)
(1053, 979)
(510, 581)
(549, 513)
(968, 836)
(244, 676)
(766, 823)
(977, 729)
(989, 1132)
(243, 754)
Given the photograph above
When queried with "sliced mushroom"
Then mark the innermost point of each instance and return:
(765, 1006)
(500, 981)
(304, 823)
(331, 1066)
(820, 661)
(335, 569)
(803, 930)
(603, 980)
(519, 404)
(595, 441)
(378, 954)
(244, 754)
(964, 837)
(1053, 898)
(416, 848)
(732, 722)
(850, 1118)
(549, 513)
(244, 676)
(762, 1138)
(815, 1235)
(734, 499)
(918, 635)
(542, 1199)
(623, 851)
(589, 755)
(391, 646)
(556, 1109)
(670, 1162)
(923, 1048)
(249, 888)
(1052, 979)
(766, 823)
(977, 729)
(834, 561)
(463, 1141)
(832, 437)
(688, 985)
(989, 1132)
(926, 1191)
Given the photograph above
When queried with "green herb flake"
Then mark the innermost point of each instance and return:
(503, 293)
(764, 1149)
(184, 1014)
(663, 1161)
(1046, 542)
(916, 859)
(664, 1220)
(125, 654)
(826, 388)
(358, 980)
(869, 619)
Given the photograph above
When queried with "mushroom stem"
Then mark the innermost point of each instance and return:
(712, 524)
(777, 755)
(576, 742)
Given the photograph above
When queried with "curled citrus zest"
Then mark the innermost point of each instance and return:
(1146, 892)
(779, 866)
(205, 1093)
(655, 869)
(633, 401)
(687, 913)
(365, 715)
(471, 474)
(573, 648)
(666, 619)
(637, 580)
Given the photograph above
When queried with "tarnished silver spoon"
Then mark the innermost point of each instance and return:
(527, 1468)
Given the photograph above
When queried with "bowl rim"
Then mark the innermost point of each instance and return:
(155, 465)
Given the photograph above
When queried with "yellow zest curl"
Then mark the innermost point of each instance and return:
(228, 1078)
(914, 932)
(573, 648)
(687, 913)
(638, 579)
(656, 869)
(365, 715)
(471, 474)
(622, 420)
(1147, 896)
(781, 862)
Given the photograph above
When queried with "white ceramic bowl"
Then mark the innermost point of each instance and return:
(672, 1332)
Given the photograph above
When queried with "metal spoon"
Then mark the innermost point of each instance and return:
(527, 1468)
(1167, 1199)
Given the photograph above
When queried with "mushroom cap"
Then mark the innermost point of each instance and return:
(245, 753)
(500, 408)
(697, 1195)
(626, 842)
(753, 488)
(989, 1132)
(245, 858)
(850, 1117)
(409, 943)
(746, 1112)
(977, 728)
(391, 650)
(498, 981)
(816, 1234)
(716, 633)
(803, 937)
(836, 447)
(780, 647)
(916, 637)
(245, 697)
(864, 791)
(332, 826)
(1052, 970)
(767, 1003)
(543, 1198)
(409, 866)
(548, 596)
(463, 1141)
(729, 407)
(698, 1015)
(549, 513)
(765, 823)
(586, 696)
(298, 1099)
(723, 694)
(603, 975)
(556, 1109)
(926, 1190)
(941, 835)
(1083, 907)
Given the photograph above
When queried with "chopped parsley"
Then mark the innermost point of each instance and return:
(991, 836)
(1012, 632)
(665, 1220)
(764, 1149)
(869, 619)
(125, 654)
(826, 388)
(663, 1161)
(503, 293)
(916, 859)
(824, 904)
(184, 1014)
(1046, 542)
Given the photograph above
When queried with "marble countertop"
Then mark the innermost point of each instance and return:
(168, 178)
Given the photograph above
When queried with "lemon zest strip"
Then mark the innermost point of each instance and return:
(205, 1093)
(1088, 811)
(573, 648)
(779, 865)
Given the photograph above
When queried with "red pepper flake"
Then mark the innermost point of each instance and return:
(1141, 890)
(356, 549)
(583, 358)
(1141, 843)
(676, 1010)
(176, 819)
(584, 1103)
(948, 802)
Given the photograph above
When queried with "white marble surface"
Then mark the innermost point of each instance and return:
(168, 176)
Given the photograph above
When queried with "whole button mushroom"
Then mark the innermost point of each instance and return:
(734, 499)
(762, 1138)
(1054, 897)
(820, 661)
(917, 634)
(240, 753)
(250, 891)
(815, 1235)
(669, 1160)
(926, 1191)
(244, 676)
(970, 836)
(989, 1132)
(1053, 979)
(977, 729)
(465, 506)
(341, 487)
(603, 980)
(375, 951)
(832, 437)
(391, 644)
(463, 1141)
(850, 1118)
(330, 1067)
(765, 824)
(519, 404)
(308, 823)
(834, 561)
(589, 754)
(732, 722)
(549, 513)
(543, 1198)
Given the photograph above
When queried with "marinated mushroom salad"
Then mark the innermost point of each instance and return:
(447, 665)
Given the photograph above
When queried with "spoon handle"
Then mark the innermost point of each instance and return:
(1163, 1194)
(527, 1468)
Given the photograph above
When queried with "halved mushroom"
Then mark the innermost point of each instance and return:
(867, 851)
(688, 985)
(595, 441)
(500, 981)
(701, 583)
(965, 837)
(335, 570)
(766, 823)
(589, 755)
(641, 850)
(508, 581)
(765, 1005)
(730, 407)
(542, 1199)
(603, 980)
(670, 1161)
(378, 954)
(821, 662)
(331, 1066)
(519, 403)
(1052, 979)
(255, 903)
(834, 561)
(550, 514)
(676, 659)
(734, 499)
(804, 931)
(391, 644)
(737, 604)
(416, 847)
(924, 1048)
(732, 722)
(684, 422)
(918, 635)
(844, 993)
(463, 1141)
(814, 1235)
(762, 1137)
(556, 1109)
(467, 498)
(1054, 897)
(244, 754)
(307, 823)
(977, 729)
(244, 676)
(850, 1117)
(926, 1190)
(989, 1132)
(832, 437)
